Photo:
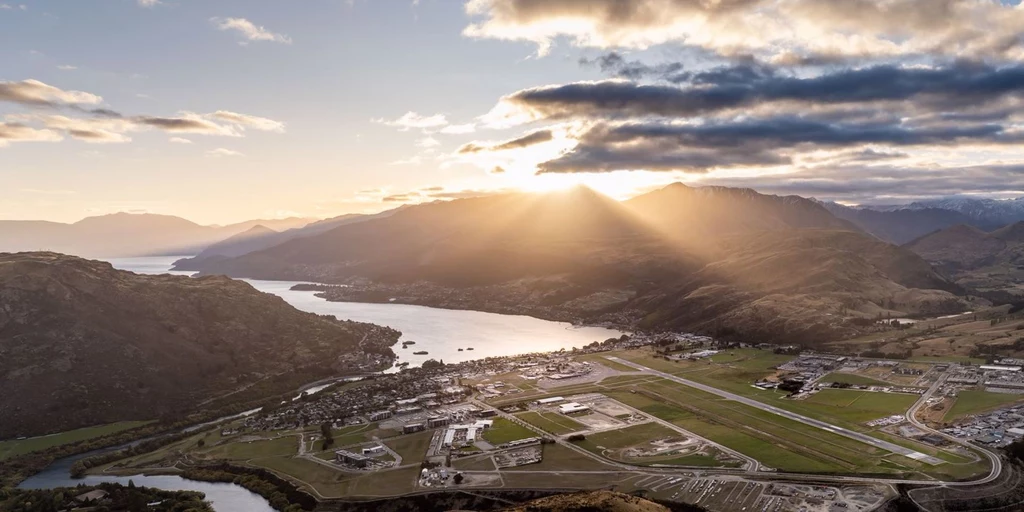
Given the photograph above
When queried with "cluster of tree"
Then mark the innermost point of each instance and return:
(431, 364)
(118, 498)
(575, 438)
(282, 494)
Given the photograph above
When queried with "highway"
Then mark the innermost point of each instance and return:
(864, 438)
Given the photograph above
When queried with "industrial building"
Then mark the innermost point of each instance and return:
(549, 401)
(351, 459)
(572, 408)
(412, 428)
(373, 451)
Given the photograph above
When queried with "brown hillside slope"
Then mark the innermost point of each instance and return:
(597, 501)
(84, 344)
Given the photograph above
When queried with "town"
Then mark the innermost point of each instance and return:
(669, 414)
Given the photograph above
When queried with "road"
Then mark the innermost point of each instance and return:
(994, 458)
(857, 436)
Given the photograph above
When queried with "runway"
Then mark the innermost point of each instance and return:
(864, 438)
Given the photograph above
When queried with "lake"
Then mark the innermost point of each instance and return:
(440, 332)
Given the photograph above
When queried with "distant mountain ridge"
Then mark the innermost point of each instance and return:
(902, 223)
(124, 235)
(989, 261)
(265, 238)
(679, 257)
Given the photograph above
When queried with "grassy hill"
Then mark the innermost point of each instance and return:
(84, 344)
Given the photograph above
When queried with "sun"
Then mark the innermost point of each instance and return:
(550, 182)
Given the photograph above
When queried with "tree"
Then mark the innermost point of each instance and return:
(325, 430)
(458, 478)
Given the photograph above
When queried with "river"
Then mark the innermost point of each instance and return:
(439, 332)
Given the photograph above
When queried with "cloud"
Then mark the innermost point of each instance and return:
(187, 123)
(67, 67)
(106, 126)
(179, 140)
(666, 146)
(34, 92)
(427, 143)
(459, 129)
(888, 184)
(16, 132)
(149, 3)
(247, 121)
(223, 152)
(249, 30)
(527, 140)
(411, 120)
(958, 86)
(773, 29)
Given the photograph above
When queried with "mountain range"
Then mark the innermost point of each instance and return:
(985, 261)
(125, 235)
(901, 224)
(679, 257)
(84, 344)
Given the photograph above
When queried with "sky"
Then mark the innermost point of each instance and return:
(226, 110)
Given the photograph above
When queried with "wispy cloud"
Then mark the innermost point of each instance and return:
(223, 152)
(249, 30)
(149, 3)
(411, 120)
(67, 67)
(179, 140)
(34, 92)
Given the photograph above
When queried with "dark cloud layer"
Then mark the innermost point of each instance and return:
(659, 146)
(958, 86)
(527, 140)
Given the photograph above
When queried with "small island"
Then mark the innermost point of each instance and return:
(420, 353)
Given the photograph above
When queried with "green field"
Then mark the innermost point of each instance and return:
(505, 431)
(552, 423)
(13, 447)
(856, 407)
(412, 448)
(850, 378)
(776, 441)
(974, 402)
(627, 437)
(561, 458)
(287, 445)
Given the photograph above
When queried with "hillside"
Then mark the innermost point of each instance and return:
(902, 225)
(98, 345)
(679, 257)
(258, 239)
(596, 501)
(986, 261)
(124, 235)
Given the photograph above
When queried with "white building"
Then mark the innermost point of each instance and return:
(552, 400)
(572, 408)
